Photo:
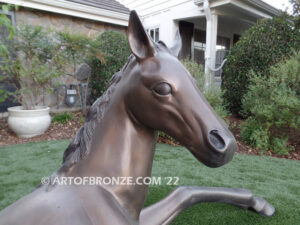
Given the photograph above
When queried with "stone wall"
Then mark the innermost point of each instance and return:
(61, 22)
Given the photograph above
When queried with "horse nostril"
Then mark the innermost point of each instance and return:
(216, 140)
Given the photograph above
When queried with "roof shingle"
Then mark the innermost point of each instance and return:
(112, 5)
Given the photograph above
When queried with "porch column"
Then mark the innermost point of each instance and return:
(211, 42)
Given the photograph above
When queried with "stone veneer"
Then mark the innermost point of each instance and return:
(62, 22)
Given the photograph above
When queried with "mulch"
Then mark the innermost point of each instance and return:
(294, 141)
(67, 130)
(56, 131)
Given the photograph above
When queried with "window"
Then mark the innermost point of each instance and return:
(154, 34)
(199, 45)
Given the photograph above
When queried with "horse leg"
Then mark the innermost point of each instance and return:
(181, 198)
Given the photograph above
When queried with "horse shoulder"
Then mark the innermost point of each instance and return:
(45, 207)
(88, 205)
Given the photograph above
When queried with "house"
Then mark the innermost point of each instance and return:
(208, 28)
(88, 17)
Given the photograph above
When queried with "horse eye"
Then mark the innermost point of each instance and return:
(162, 88)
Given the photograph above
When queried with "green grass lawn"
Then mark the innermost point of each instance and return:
(277, 180)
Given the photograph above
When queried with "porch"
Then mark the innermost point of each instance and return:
(223, 34)
(208, 28)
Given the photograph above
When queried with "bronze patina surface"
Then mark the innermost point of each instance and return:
(152, 92)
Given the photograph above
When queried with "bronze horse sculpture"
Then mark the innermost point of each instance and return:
(153, 91)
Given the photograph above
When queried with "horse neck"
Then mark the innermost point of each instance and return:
(121, 148)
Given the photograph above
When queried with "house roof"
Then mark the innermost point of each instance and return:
(112, 5)
(108, 11)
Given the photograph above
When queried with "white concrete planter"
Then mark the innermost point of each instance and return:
(29, 123)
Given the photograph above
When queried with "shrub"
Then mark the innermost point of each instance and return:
(274, 104)
(296, 12)
(196, 70)
(7, 27)
(115, 49)
(263, 45)
(62, 117)
(215, 98)
(32, 62)
(214, 95)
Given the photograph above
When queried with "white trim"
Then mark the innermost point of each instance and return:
(74, 9)
(152, 27)
(152, 7)
(250, 9)
(246, 18)
(263, 5)
(248, 5)
(211, 43)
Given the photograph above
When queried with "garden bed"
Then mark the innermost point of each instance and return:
(294, 141)
(67, 130)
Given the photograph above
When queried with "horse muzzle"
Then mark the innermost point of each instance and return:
(219, 148)
(222, 146)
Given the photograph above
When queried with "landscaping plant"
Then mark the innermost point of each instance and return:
(263, 45)
(296, 12)
(9, 32)
(31, 62)
(76, 47)
(62, 117)
(273, 101)
(115, 49)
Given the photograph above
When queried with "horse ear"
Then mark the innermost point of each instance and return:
(139, 41)
(175, 49)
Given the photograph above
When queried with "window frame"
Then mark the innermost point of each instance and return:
(154, 28)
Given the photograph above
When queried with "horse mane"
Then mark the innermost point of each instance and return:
(81, 142)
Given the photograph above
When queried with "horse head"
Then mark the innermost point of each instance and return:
(162, 95)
